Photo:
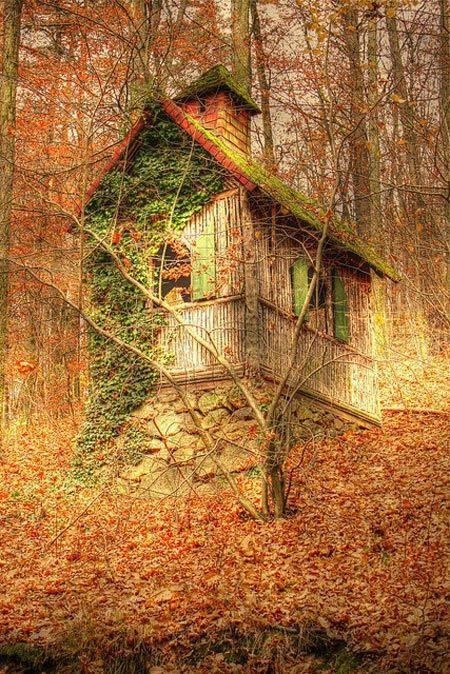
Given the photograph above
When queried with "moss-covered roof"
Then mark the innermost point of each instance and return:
(217, 79)
(299, 205)
(251, 173)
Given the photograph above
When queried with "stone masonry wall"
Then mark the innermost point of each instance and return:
(168, 454)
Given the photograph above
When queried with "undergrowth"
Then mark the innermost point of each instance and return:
(267, 650)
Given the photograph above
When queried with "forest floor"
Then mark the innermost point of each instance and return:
(353, 581)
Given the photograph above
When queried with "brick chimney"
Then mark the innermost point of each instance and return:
(221, 105)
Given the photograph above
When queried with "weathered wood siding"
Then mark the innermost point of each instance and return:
(276, 252)
(225, 213)
(323, 365)
(337, 372)
(220, 323)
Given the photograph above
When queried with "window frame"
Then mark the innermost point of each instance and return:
(337, 324)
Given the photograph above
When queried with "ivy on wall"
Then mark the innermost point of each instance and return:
(136, 209)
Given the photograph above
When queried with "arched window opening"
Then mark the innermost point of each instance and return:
(172, 277)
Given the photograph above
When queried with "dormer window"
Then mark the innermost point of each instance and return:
(328, 309)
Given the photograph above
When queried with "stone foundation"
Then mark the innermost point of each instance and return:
(164, 444)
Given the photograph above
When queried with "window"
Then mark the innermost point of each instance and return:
(299, 279)
(182, 272)
(173, 273)
(328, 309)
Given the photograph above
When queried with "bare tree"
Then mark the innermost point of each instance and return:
(358, 125)
(444, 100)
(264, 87)
(240, 40)
(147, 17)
(12, 12)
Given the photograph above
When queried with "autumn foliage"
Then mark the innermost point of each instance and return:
(354, 578)
(354, 575)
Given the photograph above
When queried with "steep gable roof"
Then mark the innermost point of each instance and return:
(252, 175)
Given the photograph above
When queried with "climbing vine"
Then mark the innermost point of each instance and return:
(141, 204)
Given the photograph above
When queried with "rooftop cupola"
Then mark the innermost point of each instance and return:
(221, 104)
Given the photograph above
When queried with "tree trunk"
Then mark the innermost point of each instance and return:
(240, 42)
(359, 155)
(12, 11)
(146, 65)
(378, 285)
(414, 205)
(264, 87)
(444, 99)
(373, 128)
(148, 17)
(175, 31)
(406, 114)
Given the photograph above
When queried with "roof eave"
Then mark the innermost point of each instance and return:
(299, 212)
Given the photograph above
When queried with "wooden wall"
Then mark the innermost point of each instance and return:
(220, 323)
(341, 373)
(330, 368)
(225, 213)
(220, 320)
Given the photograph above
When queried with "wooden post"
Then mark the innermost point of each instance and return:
(251, 289)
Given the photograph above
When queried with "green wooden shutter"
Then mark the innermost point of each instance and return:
(299, 272)
(204, 264)
(340, 308)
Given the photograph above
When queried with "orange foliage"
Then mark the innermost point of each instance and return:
(361, 554)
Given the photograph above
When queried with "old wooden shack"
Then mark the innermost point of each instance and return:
(240, 268)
